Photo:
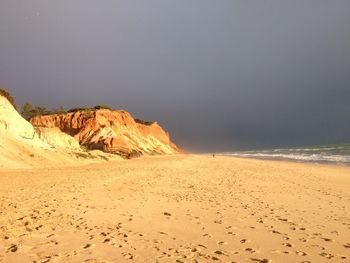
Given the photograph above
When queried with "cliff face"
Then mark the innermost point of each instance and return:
(57, 139)
(111, 131)
(23, 146)
(13, 125)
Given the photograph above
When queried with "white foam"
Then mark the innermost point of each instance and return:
(300, 157)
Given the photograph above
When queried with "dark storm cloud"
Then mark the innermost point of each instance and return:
(219, 75)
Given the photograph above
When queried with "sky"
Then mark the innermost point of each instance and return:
(219, 75)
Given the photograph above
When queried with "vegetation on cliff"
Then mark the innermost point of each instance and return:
(91, 128)
(7, 95)
(30, 111)
(115, 132)
(148, 123)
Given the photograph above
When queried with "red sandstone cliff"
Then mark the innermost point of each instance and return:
(111, 131)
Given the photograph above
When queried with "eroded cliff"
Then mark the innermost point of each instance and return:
(114, 132)
(23, 146)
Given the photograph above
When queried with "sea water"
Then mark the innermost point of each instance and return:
(339, 153)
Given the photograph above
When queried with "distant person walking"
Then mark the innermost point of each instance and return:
(214, 155)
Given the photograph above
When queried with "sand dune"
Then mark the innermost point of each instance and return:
(177, 209)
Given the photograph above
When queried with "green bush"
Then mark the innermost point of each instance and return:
(59, 110)
(77, 109)
(29, 111)
(148, 123)
(7, 95)
(88, 114)
(102, 107)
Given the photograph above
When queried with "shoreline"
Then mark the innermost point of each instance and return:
(179, 156)
(288, 160)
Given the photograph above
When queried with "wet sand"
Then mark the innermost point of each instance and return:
(183, 208)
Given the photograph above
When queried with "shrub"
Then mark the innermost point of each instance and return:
(59, 110)
(77, 109)
(29, 111)
(97, 107)
(148, 123)
(104, 107)
(7, 95)
(88, 114)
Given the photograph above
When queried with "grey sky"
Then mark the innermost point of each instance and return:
(218, 75)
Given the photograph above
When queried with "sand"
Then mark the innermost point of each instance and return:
(184, 208)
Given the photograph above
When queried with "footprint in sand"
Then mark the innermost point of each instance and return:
(92, 261)
(334, 232)
(287, 245)
(326, 255)
(87, 246)
(13, 248)
(347, 245)
(264, 260)
(250, 250)
(276, 232)
(327, 239)
(300, 253)
(220, 253)
(45, 259)
(104, 234)
(202, 246)
(128, 255)
(53, 242)
(279, 252)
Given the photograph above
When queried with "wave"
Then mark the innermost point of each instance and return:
(300, 157)
(336, 153)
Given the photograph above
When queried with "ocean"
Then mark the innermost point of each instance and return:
(339, 154)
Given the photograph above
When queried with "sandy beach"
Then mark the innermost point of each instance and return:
(184, 208)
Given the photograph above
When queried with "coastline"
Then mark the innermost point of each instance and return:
(286, 160)
(184, 207)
